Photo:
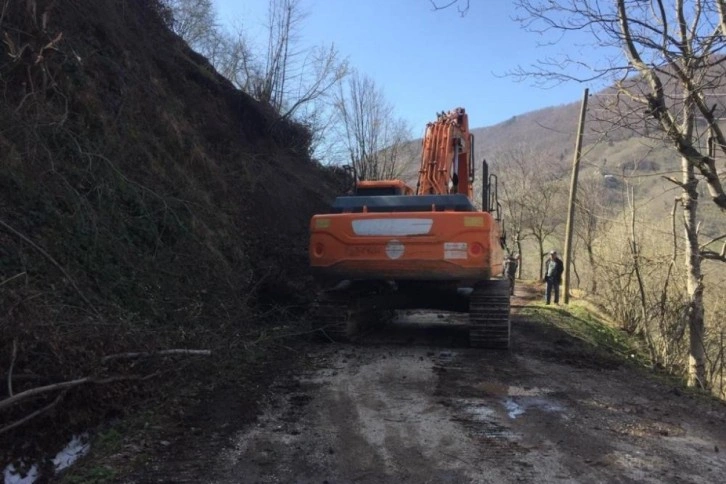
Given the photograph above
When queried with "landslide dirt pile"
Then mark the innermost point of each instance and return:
(144, 204)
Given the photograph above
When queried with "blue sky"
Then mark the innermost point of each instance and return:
(424, 60)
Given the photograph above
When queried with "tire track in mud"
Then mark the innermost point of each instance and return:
(582, 418)
(380, 425)
(471, 385)
(415, 404)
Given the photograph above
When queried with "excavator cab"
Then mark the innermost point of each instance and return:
(382, 187)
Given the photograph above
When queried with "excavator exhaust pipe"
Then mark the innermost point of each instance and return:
(484, 186)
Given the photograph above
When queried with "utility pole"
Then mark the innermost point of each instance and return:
(573, 195)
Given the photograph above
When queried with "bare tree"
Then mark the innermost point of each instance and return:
(590, 222)
(376, 142)
(533, 197)
(532, 202)
(515, 173)
(666, 62)
(193, 20)
(666, 58)
(297, 81)
(231, 55)
(544, 213)
(291, 77)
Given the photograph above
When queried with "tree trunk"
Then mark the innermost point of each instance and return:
(593, 269)
(540, 242)
(697, 350)
(518, 243)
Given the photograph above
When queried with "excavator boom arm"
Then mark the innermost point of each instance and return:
(447, 156)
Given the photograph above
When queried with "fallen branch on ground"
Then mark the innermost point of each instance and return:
(18, 397)
(12, 365)
(66, 386)
(155, 353)
(30, 416)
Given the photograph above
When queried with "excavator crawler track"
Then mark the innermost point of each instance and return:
(332, 319)
(341, 315)
(489, 325)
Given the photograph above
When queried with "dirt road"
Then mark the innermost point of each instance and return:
(413, 403)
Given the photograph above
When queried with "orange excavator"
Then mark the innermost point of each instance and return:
(387, 246)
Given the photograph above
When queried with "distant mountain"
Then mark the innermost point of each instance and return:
(549, 132)
(547, 136)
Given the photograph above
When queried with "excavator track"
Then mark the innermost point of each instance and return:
(341, 315)
(489, 325)
(332, 319)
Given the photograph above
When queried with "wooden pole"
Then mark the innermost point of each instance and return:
(573, 195)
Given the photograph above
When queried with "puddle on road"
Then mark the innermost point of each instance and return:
(515, 391)
(476, 411)
(483, 420)
(497, 389)
(517, 407)
(515, 399)
(447, 356)
(514, 410)
(494, 389)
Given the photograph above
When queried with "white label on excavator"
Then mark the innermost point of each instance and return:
(394, 227)
(394, 249)
(455, 250)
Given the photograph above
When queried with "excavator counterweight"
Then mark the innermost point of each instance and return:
(388, 246)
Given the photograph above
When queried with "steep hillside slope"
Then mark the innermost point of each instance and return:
(550, 132)
(144, 204)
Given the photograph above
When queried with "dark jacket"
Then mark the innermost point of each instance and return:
(510, 267)
(554, 270)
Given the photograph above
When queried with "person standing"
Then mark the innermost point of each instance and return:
(510, 270)
(553, 277)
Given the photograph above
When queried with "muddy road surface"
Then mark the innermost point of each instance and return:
(412, 403)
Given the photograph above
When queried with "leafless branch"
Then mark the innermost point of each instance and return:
(712, 254)
(462, 9)
(674, 181)
(674, 256)
(34, 414)
(34, 392)
(12, 278)
(155, 353)
(12, 365)
(375, 141)
(715, 239)
(4, 10)
(441, 7)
